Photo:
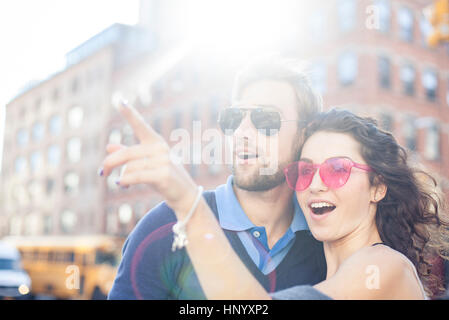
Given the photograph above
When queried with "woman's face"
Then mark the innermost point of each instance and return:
(347, 210)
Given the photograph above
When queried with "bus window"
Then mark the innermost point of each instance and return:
(43, 256)
(59, 257)
(51, 256)
(84, 259)
(103, 257)
(29, 255)
(70, 257)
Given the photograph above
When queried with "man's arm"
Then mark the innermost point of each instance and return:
(141, 273)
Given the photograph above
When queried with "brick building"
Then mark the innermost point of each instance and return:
(385, 69)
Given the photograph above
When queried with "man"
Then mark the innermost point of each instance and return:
(256, 210)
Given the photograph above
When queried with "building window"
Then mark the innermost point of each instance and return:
(447, 93)
(35, 190)
(318, 77)
(36, 161)
(74, 150)
(115, 137)
(55, 124)
(409, 131)
(426, 29)
(48, 224)
(38, 105)
(386, 122)
(68, 221)
(112, 179)
(384, 7)
(140, 210)
(430, 84)
(15, 226)
(75, 117)
(75, 86)
(347, 68)
(49, 186)
(347, 14)
(125, 213)
(32, 224)
(71, 183)
(54, 155)
(22, 137)
(22, 112)
(432, 149)
(111, 221)
(20, 165)
(128, 137)
(56, 94)
(384, 66)
(408, 79)
(317, 26)
(20, 195)
(38, 131)
(405, 19)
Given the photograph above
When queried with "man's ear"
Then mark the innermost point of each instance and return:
(379, 190)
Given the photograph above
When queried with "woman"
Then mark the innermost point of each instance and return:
(367, 206)
(379, 224)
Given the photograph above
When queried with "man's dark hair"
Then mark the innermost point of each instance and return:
(274, 67)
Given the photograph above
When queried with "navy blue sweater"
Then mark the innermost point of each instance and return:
(150, 270)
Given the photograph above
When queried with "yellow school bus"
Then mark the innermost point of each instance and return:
(70, 267)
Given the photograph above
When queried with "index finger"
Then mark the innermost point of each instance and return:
(144, 132)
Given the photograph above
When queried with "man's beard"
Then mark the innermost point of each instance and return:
(257, 182)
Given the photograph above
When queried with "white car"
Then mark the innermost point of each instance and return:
(14, 281)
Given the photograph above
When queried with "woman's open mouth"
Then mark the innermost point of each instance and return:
(321, 208)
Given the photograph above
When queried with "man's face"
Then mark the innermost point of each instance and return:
(253, 151)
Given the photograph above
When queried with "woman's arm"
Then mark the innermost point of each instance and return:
(220, 271)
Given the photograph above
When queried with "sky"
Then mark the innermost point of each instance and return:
(35, 35)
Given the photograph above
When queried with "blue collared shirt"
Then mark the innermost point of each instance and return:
(232, 217)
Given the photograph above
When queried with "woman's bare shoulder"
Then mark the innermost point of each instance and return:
(377, 272)
(381, 255)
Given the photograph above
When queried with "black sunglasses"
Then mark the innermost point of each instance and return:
(269, 121)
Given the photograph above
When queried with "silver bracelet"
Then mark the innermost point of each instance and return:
(179, 229)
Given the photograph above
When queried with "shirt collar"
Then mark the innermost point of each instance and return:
(232, 217)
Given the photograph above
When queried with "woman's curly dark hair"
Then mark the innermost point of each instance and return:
(411, 218)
